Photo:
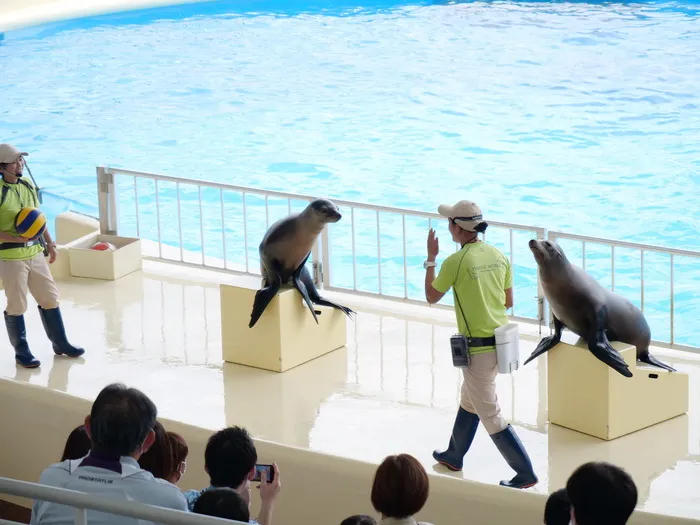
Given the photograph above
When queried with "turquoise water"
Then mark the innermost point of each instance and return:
(579, 117)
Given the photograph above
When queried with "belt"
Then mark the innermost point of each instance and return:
(481, 341)
(9, 245)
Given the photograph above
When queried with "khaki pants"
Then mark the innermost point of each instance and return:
(479, 391)
(32, 275)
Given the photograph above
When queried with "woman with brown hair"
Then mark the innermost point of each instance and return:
(400, 490)
(180, 452)
(158, 459)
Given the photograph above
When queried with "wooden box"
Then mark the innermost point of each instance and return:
(286, 334)
(586, 395)
(108, 265)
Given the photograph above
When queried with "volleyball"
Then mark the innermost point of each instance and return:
(30, 223)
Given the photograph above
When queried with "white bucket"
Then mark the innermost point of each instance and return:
(508, 348)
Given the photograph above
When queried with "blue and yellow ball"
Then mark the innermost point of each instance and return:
(30, 223)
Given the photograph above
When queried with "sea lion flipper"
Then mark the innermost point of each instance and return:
(600, 346)
(650, 359)
(547, 343)
(271, 285)
(299, 285)
(305, 277)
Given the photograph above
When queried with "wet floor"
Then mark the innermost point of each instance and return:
(391, 389)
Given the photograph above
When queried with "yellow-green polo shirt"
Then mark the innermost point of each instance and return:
(17, 197)
(483, 277)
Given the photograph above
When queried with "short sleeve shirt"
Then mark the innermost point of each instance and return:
(479, 274)
(17, 196)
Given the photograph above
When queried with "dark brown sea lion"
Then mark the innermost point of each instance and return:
(591, 311)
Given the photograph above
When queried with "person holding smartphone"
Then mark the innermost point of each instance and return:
(230, 459)
(482, 282)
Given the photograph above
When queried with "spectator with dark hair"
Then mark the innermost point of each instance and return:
(400, 489)
(601, 494)
(557, 510)
(359, 519)
(222, 502)
(120, 427)
(77, 445)
(158, 459)
(180, 452)
(230, 459)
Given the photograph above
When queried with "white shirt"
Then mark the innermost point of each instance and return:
(131, 484)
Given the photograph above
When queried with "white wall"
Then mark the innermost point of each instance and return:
(317, 488)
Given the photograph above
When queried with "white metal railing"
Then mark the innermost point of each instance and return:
(343, 251)
(82, 501)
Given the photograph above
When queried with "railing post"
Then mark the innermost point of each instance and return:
(80, 516)
(107, 198)
(541, 300)
(317, 264)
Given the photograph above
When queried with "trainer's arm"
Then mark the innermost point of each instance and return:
(9, 237)
(47, 237)
(431, 294)
(509, 298)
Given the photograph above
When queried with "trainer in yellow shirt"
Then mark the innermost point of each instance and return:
(481, 279)
(23, 266)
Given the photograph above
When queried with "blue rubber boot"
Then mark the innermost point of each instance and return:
(463, 432)
(512, 450)
(17, 333)
(53, 324)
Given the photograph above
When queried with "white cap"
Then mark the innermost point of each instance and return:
(466, 214)
(9, 154)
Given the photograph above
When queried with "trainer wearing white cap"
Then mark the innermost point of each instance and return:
(482, 282)
(23, 266)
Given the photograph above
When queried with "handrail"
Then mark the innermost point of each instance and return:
(553, 234)
(299, 196)
(83, 500)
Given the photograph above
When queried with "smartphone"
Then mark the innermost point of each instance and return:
(269, 470)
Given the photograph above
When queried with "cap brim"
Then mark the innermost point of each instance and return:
(445, 210)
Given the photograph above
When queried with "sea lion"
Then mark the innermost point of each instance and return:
(591, 311)
(284, 250)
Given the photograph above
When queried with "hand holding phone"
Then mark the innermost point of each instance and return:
(269, 472)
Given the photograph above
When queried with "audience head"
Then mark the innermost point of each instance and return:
(400, 487)
(121, 421)
(557, 510)
(158, 459)
(77, 444)
(359, 519)
(230, 457)
(601, 494)
(180, 452)
(222, 502)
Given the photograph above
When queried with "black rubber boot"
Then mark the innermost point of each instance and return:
(53, 324)
(514, 453)
(18, 338)
(463, 432)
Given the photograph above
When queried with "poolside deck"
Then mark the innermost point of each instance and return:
(392, 389)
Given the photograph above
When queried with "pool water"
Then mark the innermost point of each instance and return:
(580, 117)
